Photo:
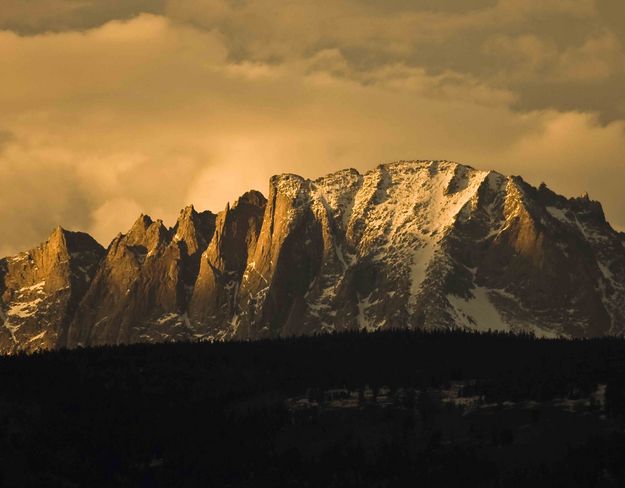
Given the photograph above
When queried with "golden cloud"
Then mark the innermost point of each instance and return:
(154, 112)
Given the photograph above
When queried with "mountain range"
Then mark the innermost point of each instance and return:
(416, 244)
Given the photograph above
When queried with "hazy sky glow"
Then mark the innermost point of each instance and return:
(111, 108)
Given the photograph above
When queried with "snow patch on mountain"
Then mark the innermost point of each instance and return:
(478, 312)
(430, 244)
(558, 214)
(23, 309)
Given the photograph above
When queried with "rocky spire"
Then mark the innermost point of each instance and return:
(194, 229)
(223, 262)
(429, 244)
(138, 231)
(41, 289)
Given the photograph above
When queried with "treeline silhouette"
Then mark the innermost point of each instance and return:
(200, 414)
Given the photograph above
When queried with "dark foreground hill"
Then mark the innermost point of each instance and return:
(352, 409)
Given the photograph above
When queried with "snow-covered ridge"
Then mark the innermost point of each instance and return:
(394, 216)
(420, 244)
(401, 218)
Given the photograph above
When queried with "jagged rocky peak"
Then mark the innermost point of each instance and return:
(158, 233)
(74, 241)
(327, 244)
(143, 287)
(56, 258)
(252, 198)
(145, 238)
(427, 244)
(138, 231)
(424, 243)
(40, 289)
(186, 225)
(287, 194)
(194, 229)
(62, 241)
(287, 184)
(593, 207)
(56, 242)
(236, 232)
(221, 268)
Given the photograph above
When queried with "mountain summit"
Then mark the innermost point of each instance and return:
(418, 244)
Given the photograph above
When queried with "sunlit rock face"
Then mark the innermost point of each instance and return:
(40, 290)
(215, 293)
(431, 245)
(420, 244)
(141, 289)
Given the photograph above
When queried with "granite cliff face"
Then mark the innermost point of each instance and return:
(142, 287)
(215, 295)
(40, 290)
(429, 244)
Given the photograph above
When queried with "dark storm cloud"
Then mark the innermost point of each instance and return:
(30, 17)
(612, 13)
(547, 52)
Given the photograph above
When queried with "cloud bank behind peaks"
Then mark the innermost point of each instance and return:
(115, 108)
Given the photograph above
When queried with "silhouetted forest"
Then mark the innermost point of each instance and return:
(384, 409)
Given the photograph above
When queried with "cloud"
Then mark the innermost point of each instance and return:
(35, 197)
(112, 217)
(574, 153)
(520, 45)
(39, 16)
(205, 100)
(6, 138)
(531, 47)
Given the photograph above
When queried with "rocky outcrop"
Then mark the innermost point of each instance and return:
(40, 290)
(432, 245)
(427, 244)
(216, 291)
(545, 263)
(141, 290)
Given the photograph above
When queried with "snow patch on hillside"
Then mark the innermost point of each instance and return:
(420, 262)
(24, 309)
(558, 214)
(478, 312)
(37, 337)
(445, 189)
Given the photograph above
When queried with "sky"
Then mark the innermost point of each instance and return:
(111, 108)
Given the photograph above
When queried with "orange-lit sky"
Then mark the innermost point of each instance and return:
(110, 108)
